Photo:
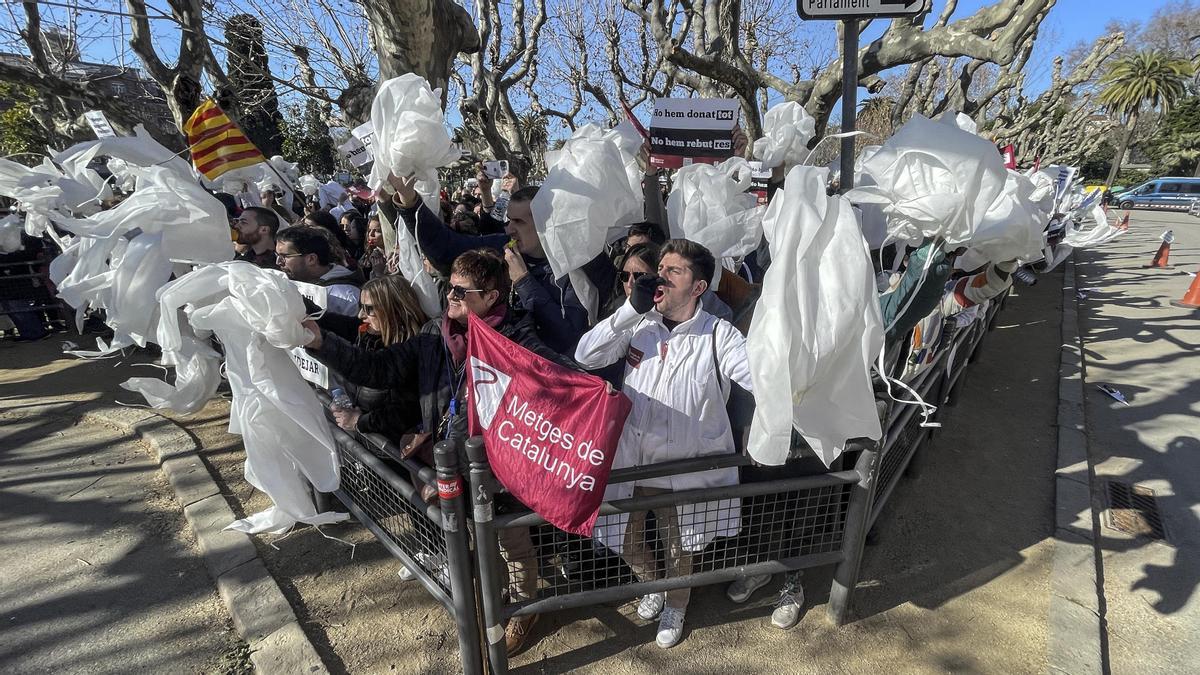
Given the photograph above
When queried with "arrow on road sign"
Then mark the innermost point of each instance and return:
(859, 9)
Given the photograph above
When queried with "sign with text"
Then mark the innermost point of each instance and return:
(858, 9)
(311, 369)
(99, 124)
(551, 433)
(760, 180)
(357, 153)
(692, 131)
(1009, 153)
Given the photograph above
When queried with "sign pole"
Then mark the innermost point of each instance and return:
(849, 100)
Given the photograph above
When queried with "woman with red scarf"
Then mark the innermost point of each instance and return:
(434, 362)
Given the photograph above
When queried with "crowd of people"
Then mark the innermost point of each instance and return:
(662, 335)
(666, 339)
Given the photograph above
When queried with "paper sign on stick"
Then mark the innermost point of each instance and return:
(692, 130)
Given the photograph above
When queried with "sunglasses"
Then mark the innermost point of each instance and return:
(626, 276)
(366, 309)
(458, 292)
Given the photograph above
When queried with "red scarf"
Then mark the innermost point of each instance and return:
(454, 334)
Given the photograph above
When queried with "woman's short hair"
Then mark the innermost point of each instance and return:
(486, 269)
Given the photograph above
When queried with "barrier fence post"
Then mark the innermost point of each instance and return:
(491, 581)
(845, 575)
(458, 555)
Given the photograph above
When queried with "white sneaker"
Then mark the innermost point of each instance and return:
(651, 605)
(670, 627)
(787, 608)
(406, 574)
(741, 590)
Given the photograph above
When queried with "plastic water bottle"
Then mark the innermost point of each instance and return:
(341, 401)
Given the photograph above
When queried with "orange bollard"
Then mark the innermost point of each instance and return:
(1191, 299)
(1160, 257)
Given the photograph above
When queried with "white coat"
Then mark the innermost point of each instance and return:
(678, 411)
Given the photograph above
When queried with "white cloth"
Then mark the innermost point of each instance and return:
(586, 201)
(817, 328)
(933, 180)
(787, 131)
(709, 204)
(678, 411)
(411, 136)
(257, 314)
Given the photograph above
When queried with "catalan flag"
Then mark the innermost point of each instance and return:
(217, 143)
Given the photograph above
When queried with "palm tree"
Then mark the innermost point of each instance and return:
(1182, 151)
(1146, 78)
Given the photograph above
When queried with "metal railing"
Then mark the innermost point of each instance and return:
(488, 559)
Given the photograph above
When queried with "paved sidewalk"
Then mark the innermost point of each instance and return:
(1134, 340)
(96, 571)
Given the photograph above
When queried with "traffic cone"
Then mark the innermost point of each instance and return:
(1161, 256)
(1191, 299)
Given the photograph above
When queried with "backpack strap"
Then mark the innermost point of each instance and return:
(721, 383)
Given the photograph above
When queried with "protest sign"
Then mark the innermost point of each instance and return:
(99, 124)
(692, 130)
(365, 133)
(1009, 152)
(551, 433)
(311, 369)
(354, 150)
(759, 181)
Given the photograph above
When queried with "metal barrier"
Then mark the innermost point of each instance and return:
(775, 526)
(496, 560)
(25, 288)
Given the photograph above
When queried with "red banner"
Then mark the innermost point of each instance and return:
(550, 432)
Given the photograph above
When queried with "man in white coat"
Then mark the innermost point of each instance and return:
(679, 360)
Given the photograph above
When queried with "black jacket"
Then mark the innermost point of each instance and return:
(391, 411)
(424, 362)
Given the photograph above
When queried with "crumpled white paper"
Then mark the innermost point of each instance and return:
(817, 328)
(787, 131)
(257, 314)
(933, 180)
(410, 133)
(709, 204)
(587, 199)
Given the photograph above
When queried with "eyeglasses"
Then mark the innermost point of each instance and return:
(626, 276)
(364, 308)
(458, 292)
(285, 256)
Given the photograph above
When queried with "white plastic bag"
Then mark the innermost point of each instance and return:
(11, 229)
(331, 194)
(587, 197)
(1011, 228)
(257, 315)
(933, 180)
(709, 204)
(309, 185)
(817, 327)
(410, 133)
(787, 131)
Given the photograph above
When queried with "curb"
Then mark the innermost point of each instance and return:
(1075, 643)
(262, 616)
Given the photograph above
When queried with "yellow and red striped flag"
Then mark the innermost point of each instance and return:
(217, 143)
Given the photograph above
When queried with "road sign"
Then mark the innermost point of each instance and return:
(858, 9)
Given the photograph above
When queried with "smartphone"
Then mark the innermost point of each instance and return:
(495, 169)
